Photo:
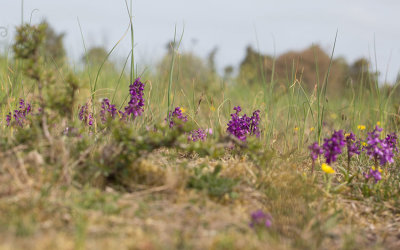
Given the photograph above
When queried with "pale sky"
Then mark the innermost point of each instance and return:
(230, 25)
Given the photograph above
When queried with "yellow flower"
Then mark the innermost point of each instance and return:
(212, 108)
(327, 169)
(347, 135)
(364, 143)
(312, 129)
(183, 110)
(378, 123)
(379, 169)
(361, 127)
(296, 129)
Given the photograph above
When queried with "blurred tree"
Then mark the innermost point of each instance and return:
(396, 87)
(189, 69)
(304, 65)
(250, 67)
(359, 68)
(96, 56)
(171, 46)
(211, 60)
(228, 71)
(53, 49)
(361, 74)
(300, 65)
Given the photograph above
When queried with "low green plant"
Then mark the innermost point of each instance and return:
(212, 182)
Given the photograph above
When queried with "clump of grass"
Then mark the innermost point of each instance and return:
(212, 183)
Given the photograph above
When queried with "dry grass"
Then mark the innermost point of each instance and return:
(162, 213)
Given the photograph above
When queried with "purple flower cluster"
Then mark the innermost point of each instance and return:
(194, 135)
(19, 114)
(136, 103)
(391, 141)
(254, 122)
(108, 108)
(373, 173)
(176, 114)
(134, 107)
(353, 146)
(8, 119)
(242, 126)
(379, 149)
(260, 219)
(333, 146)
(315, 151)
(199, 134)
(85, 115)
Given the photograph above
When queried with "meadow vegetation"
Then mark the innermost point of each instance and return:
(294, 152)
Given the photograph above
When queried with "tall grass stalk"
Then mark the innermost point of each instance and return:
(376, 84)
(267, 96)
(321, 94)
(104, 61)
(86, 58)
(174, 50)
(22, 12)
(121, 75)
(132, 68)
